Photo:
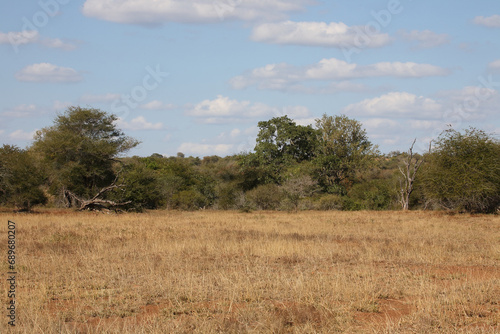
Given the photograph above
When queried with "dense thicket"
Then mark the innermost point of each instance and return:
(79, 162)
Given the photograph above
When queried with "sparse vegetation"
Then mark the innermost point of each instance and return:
(260, 272)
(78, 163)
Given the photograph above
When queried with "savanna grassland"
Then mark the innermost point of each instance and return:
(259, 272)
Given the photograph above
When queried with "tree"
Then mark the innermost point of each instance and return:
(299, 187)
(20, 179)
(281, 139)
(463, 171)
(412, 164)
(80, 151)
(344, 150)
(282, 142)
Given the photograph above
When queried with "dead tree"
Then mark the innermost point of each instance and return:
(409, 171)
(95, 203)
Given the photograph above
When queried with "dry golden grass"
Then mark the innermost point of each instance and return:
(261, 272)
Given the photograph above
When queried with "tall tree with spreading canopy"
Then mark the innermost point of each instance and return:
(280, 143)
(344, 150)
(79, 151)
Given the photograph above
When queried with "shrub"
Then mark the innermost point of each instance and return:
(189, 200)
(265, 197)
(20, 179)
(463, 172)
(329, 202)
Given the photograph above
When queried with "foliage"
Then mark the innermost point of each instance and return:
(143, 189)
(372, 195)
(329, 202)
(189, 200)
(265, 197)
(344, 150)
(299, 187)
(20, 179)
(331, 167)
(79, 150)
(463, 171)
(281, 142)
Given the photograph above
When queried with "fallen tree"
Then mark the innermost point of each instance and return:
(96, 202)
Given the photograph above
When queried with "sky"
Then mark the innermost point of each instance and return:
(196, 76)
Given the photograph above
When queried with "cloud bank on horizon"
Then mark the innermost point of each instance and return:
(197, 76)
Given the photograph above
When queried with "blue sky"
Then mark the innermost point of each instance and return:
(197, 76)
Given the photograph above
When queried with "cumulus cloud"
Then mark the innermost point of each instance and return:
(157, 105)
(45, 72)
(392, 115)
(61, 105)
(332, 34)
(395, 104)
(150, 12)
(22, 135)
(138, 123)
(16, 38)
(19, 37)
(424, 39)
(21, 111)
(57, 43)
(494, 65)
(224, 110)
(198, 149)
(284, 76)
(490, 21)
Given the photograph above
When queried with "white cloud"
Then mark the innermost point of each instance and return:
(22, 135)
(395, 104)
(56, 43)
(205, 149)
(494, 65)
(60, 105)
(425, 124)
(21, 111)
(224, 110)
(138, 123)
(235, 133)
(425, 38)
(157, 105)
(491, 21)
(380, 123)
(16, 38)
(45, 72)
(151, 12)
(19, 37)
(284, 76)
(104, 98)
(332, 34)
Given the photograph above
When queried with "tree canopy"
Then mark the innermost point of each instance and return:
(463, 171)
(80, 148)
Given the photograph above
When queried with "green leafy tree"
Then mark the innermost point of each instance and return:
(144, 187)
(20, 179)
(280, 143)
(463, 171)
(344, 150)
(80, 149)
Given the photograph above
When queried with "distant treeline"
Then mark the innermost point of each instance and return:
(77, 162)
